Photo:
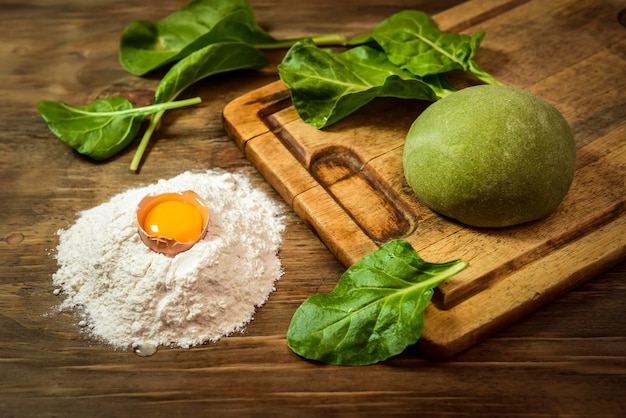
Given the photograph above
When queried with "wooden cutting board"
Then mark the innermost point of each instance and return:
(346, 181)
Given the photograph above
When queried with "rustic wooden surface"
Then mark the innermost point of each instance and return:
(346, 181)
(566, 359)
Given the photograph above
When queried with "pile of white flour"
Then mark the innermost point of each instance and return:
(130, 296)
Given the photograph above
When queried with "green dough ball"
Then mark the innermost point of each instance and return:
(490, 156)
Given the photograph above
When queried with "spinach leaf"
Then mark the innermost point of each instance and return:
(439, 84)
(102, 128)
(375, 311)
(325, 86)
(213, 59)
(145, 46)
(210, 60)
(412, 40)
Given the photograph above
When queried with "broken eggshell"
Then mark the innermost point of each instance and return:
(166, 245)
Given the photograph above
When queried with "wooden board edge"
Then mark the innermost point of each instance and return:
(311, 206)
(449, 332)
(241, 117)
(278, 166)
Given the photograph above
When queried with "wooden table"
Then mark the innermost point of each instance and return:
(566, 359)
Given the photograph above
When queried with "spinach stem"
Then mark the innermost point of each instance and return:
(146, 110)
(173, 105)
(154, 122)
(482, 75)
(332, 39)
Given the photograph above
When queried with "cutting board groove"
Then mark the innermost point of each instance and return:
(346, 181)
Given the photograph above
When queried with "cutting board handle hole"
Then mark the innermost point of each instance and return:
(369, 202)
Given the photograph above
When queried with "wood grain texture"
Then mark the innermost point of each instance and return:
(566, 359)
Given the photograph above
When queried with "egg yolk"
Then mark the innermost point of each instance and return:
(176, 220)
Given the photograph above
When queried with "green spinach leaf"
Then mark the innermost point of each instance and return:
(375, 311)
(213, 59)
(210, 60)
(145, 46)
(325, 86)
(102, 128)
(413, 41)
